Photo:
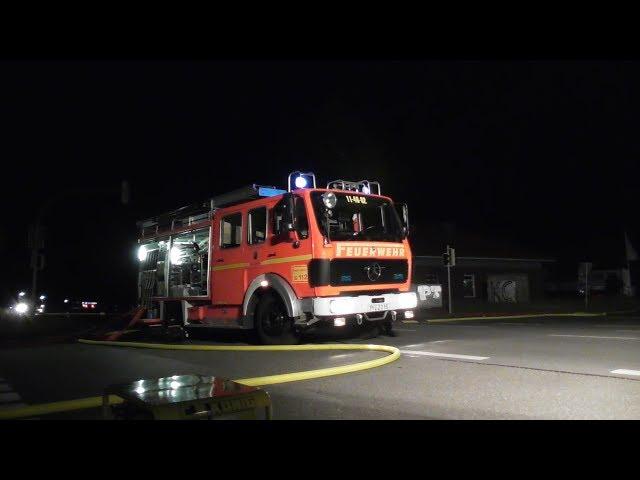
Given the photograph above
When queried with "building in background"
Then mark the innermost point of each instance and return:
(492, 269)
(488, 270)
(483, 279)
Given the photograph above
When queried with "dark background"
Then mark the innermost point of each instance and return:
(541, 155)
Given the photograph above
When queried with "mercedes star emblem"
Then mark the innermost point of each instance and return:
(374, 271)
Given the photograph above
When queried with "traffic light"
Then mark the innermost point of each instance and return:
(449, 257)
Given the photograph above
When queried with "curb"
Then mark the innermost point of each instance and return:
(532, 315)
(528, 315)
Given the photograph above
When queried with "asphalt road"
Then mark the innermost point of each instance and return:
(536, 368)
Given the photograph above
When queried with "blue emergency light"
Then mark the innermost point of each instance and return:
(270, 192)
(298, 180)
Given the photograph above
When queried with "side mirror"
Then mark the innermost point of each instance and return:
(403, 213)
(284, 212)
(290, 218)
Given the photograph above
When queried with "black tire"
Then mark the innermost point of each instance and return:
(273, 325)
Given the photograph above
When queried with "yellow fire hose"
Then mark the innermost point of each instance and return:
(95, 402)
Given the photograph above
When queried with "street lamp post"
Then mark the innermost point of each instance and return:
(36, 232)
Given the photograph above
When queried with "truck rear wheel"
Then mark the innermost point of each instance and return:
(273, 325)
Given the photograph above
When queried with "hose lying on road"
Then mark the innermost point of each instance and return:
(95, 402)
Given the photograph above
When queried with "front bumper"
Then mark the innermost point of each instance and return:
(364, 304)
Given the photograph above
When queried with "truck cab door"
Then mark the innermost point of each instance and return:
(229, 262)
(288, 251)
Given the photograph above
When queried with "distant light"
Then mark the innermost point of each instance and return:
(140, 390)
(408, 314)
(21, 294)
(264, 283)
(22, 307)
(174, 385)
(42, 297)
(40, 310)
(142, 253)
(339, 322)
(301, 182)
(66, 300)
(42, 305)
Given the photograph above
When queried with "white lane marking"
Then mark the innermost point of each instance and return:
(413, 345)
(519, 324)
(614, 325)
(623, 371)
(467, 326)
(9, 397)
(444, 355)
(441, 341)
(342, 355)
(9, 406)
(594, 336)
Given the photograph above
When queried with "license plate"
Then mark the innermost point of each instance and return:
(378, 307)
(227, 406)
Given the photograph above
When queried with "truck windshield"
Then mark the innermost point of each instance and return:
(358, 217)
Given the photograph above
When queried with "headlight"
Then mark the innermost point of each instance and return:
(329, 199)
(340, 305)
(408, 300)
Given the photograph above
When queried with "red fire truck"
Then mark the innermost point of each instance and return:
(279, 261)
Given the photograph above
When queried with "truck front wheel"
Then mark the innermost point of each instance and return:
(273, 325)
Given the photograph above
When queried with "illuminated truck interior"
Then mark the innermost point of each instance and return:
(175, 267)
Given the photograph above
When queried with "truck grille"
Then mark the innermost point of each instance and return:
(343, 272)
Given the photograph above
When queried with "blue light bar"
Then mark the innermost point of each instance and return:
(300, 180)
(270, 192)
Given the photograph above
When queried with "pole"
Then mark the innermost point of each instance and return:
(34, 276)
(449, 280)
(36, 243)
(38, 235)
(586, 288)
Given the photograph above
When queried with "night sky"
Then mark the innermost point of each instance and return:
(538, 154)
